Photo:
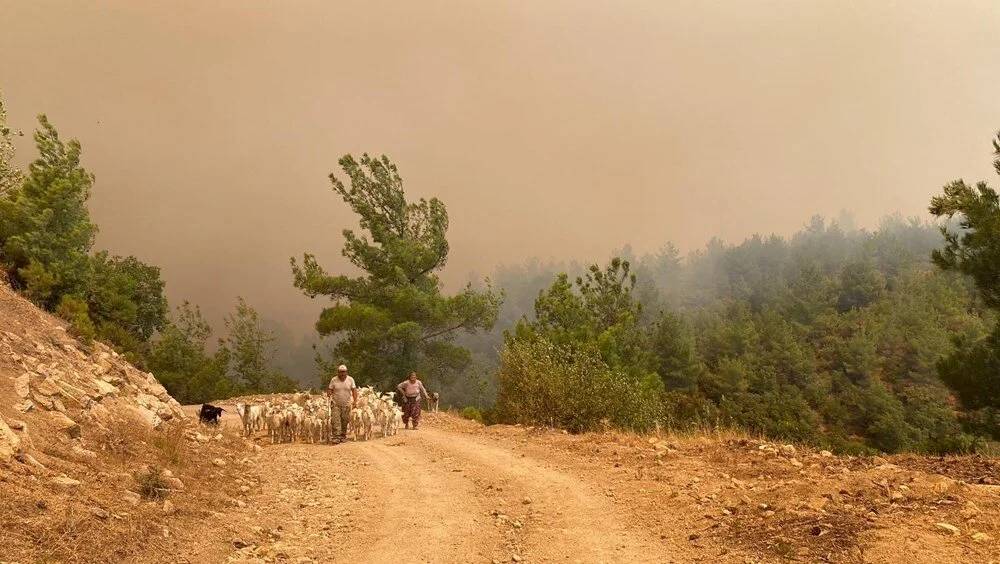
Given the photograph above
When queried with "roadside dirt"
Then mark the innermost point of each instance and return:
(456, 491)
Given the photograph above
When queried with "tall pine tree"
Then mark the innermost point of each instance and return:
(394, 318)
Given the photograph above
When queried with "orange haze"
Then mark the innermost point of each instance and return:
(557, 129)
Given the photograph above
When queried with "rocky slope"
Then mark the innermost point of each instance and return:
(52, 387)
(97, 462)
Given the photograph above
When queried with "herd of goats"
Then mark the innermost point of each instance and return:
(309, 418)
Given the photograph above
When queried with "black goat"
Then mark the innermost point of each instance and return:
(210, 414)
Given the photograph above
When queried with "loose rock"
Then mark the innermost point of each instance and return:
(65, 481)
(952, 529)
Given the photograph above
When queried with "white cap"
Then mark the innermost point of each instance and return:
(342, 367)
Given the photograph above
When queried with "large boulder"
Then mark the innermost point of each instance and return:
(145, 416)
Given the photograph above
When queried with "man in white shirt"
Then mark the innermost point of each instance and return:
(343, 395)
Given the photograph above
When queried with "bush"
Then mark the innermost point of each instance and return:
(75, 311)
(684, 409)
(545, 384)
(472, 413)
(151, 484)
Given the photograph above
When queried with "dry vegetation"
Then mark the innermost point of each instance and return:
(122, 508)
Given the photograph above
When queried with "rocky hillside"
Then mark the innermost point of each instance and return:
(97, 461)
(52, 387)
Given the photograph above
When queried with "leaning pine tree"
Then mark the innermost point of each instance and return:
(394, 318)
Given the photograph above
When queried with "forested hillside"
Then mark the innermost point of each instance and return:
(832, 335)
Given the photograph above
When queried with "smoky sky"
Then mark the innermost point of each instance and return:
(557, 129)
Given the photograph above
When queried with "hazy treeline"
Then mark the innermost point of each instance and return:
(833, 335)
(47, 251)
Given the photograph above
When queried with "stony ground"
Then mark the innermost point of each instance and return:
(456, 491)
(97, 461)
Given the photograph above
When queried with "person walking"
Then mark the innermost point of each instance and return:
(413, 391)
(343, 394)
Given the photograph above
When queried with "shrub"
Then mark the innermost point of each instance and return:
(75, 311)
(169, 445)
(547, 384)
(472, 413)
(683, 409)
(151, 484)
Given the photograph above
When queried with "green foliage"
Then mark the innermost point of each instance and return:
(394, 318)
(598, 312)
(860, 285)
(45, 241)
(47, 231)
(128, 293)
(973, 371)
(571, 387)
(181, 362)
(974, 250)
(242, 364)
(832, 336)
(126, 302)
(781, 412)
(251, 353)
(584, 359)
(673, 345)
(74, 310)
(470, 412)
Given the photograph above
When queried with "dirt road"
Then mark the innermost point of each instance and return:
(432, 495)
(455, 491)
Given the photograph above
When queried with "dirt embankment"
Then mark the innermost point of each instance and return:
(97, 462)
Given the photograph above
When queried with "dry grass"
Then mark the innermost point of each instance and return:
(96, 522)
(169, 446)
(151, 484)
(136, 445)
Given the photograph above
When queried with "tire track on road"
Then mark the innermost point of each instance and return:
(567, 520)
(429, 512)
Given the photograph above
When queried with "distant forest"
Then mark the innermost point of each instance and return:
(831, 336)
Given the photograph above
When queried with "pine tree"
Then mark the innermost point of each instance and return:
(251, 352)
(394, 318)
(47, 231)
(973, 371)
